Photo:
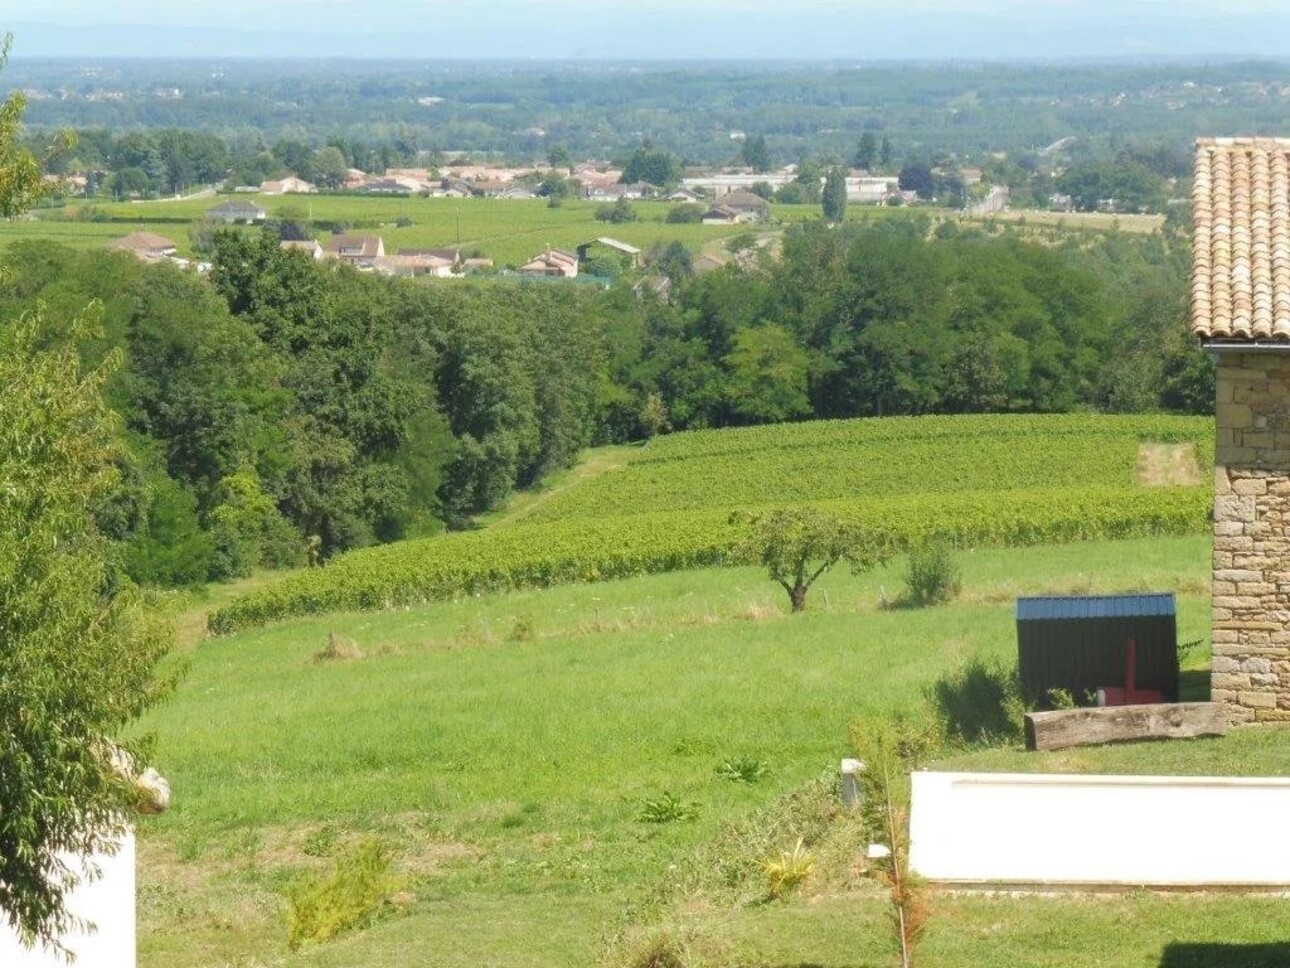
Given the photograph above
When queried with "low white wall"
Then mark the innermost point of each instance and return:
(1109, 830)
(108, 903)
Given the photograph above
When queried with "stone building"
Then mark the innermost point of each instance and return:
(1241, 312)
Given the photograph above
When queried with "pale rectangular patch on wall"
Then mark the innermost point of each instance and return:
(1066, 830)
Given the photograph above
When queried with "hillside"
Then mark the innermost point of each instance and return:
(507, 747)
(668, 507)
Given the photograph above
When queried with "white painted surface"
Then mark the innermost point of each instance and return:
(1113, 830)
(108, 903)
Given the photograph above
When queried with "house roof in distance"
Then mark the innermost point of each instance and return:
(615, 244)
(143, 242)
(1241, 240)
(364, 246)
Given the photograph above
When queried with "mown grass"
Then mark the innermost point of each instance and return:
(505, 746)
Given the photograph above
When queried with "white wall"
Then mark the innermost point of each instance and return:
(1113, 830)
(108, 903)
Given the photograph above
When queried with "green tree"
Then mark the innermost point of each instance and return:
(917, 177)
(60, 609)
(767, 382)
(651, 165)
(867, 151)
(618, 213)
(798, 545)
(330, 167)
(755, 154)
(834, 197)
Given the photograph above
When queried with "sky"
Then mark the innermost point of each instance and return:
(656, 29)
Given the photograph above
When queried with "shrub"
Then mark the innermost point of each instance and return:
(321, 907)
(789, 869)
(982, 702)
(666, 808)
(742, 769)
(933, 576)
(685, 214)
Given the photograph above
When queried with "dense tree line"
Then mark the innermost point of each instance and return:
(588, 110)
(888, 318)
(284, 410)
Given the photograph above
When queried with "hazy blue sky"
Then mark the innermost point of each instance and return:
(861, 29)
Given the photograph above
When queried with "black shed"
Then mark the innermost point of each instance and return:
(1125, 645)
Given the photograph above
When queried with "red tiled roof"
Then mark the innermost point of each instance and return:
(1241, 239)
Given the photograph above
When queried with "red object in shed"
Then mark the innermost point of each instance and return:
(1129, 694)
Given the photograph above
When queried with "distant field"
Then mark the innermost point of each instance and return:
(508, 231)
(1087, 221)
(974, 480)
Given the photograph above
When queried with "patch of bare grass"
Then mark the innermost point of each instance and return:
(1168, 465)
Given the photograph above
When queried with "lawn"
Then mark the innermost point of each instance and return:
(506, 746)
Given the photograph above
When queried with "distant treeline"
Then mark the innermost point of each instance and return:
(284, 410)
(525, 111)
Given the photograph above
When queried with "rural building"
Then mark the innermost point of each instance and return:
(358, 250)
(725, 183)
(413, 265)
(310, 247)
(453, 256)
(148, 246)
(685, 195)
(552, 262)
(605, 245)
(453, 188)
(291, 185)
(391, 186)
(1240, 310)
(234, 212)
(737, 207)
(870, 189)
(613, 192)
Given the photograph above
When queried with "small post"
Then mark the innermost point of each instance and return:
(850, 771)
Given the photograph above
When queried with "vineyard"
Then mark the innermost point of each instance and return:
(979, 480)
(867, 459)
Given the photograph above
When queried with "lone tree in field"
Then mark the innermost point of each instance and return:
(77, 654)
(798, 545)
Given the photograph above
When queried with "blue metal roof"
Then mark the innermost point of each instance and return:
(1095, 606)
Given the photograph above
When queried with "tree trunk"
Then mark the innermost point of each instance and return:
(797, 595)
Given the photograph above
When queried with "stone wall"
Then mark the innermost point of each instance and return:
(1251, 621)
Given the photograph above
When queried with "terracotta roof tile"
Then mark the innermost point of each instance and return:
(1240, 285)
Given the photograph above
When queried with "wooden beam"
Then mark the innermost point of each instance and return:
(1063, 728)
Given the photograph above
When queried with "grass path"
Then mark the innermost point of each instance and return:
(591, 465)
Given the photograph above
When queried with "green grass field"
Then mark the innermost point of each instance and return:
(505, 746)
(508, 231)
